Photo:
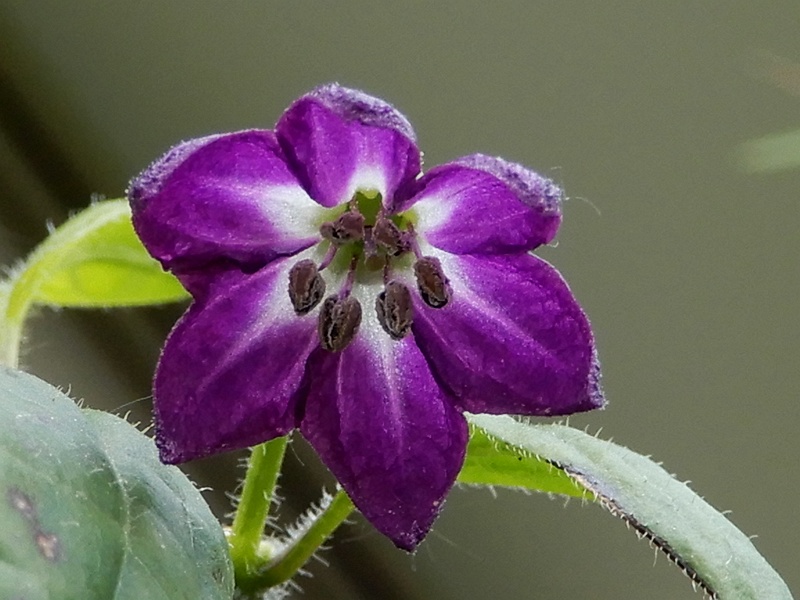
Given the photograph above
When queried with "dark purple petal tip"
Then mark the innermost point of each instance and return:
(149, 182)
(530, 187)
(339, 141)
(355, 105)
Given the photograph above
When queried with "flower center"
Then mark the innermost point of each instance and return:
(364, 238)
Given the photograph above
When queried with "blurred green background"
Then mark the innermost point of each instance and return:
(686, 262)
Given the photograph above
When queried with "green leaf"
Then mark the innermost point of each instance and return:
(93, 259)
(88, 511)
(700, 540)
(96, 259)
(493, 462)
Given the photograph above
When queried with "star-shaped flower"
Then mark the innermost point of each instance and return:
(339, 291)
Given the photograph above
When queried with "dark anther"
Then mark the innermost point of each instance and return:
(306, 286)
(395, 310)
(338, 322)
(433, 285)
(349, 227)
(388, 237)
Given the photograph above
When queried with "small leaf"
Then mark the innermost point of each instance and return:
(88, 511)
(708, 547)
(494, 462)
(96, 259)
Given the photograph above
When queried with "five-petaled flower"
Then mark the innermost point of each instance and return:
(339, 291)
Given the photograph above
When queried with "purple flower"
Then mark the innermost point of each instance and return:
(339, 291)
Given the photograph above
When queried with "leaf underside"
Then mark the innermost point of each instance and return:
(491, 462)
(713, 553)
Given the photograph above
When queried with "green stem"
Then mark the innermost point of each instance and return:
(251, 514)
(14, 304)
(10, 340)
(286, 565)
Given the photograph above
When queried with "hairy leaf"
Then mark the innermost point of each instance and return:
(700, 540)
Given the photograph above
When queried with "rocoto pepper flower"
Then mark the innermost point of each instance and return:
(339, 291)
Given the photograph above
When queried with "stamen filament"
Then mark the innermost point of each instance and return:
(411, 239)
(328, 258)
(344, 292)
(387, 270)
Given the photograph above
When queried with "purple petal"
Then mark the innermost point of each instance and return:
(512, 339)
(222, 201)
(231, 366)
(391, 437)
(486, 205)
(340, 141)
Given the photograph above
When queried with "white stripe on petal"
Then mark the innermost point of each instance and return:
(367, 178)
(292, 209)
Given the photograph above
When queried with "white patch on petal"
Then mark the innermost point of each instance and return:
(387, 353)
(290, 209)
(433, 212)
(366, 178)
(428, 250)
(370, 328)
(382, 352)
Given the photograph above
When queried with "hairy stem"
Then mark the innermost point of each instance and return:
(251, 514)
(285, 566)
